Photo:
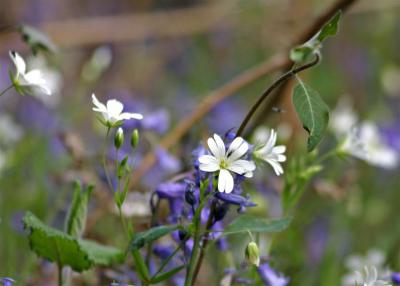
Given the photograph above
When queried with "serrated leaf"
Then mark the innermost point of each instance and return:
(142, 238)
(76, 217)
(36, 39)
(330, 28)
(166, 275)
(66, 250)
(313, 113)
(245, 223)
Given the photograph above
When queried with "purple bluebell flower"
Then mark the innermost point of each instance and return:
(235, 199)
(167, 161)
(171, 190)
(396, 277)
(270, 277)
(163, 251)
(6, 281)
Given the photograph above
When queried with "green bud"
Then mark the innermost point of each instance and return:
(135, 138)
(253, 254)
(119, 138)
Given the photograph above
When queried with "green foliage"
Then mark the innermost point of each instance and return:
(298, 173)
(36, 39)
(246, 223)
(66, 250)
(330, 28)
(142, 238)
(305, 51)
(313, 113)
(76, 217)
(166, 275)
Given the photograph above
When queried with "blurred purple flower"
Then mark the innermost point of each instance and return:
(33, 114)
(171, 190)
(317, 239)
(163, 251)
(7, 281)
(270, 277)
(396, 277)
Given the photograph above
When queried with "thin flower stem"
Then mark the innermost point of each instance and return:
(104, 161)
(274, 85)
(7, 89)
(60, 274)
(205, 241)
(168, 259)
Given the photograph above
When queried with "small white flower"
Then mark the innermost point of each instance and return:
(369, 277)
(24, 79)
(226, 161)
(267, 151)
(365, 142)
(112, 112)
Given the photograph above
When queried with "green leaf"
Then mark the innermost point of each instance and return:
(101, 254)
(166, 275)
(330, 28)
(304, 52)
(66, 250)
(36, 39)
(313, 113)
(76, 217)
(141, 238)
(245, 223)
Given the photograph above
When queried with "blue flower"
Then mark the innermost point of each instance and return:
(235, 199)
(7, 281)
(396, 277)
(270, 277)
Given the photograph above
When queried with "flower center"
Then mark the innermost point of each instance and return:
(223, 164)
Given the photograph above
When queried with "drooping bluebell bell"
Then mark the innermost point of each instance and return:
(270, 277)
(396, 278)
(6, 281)
(234, 199)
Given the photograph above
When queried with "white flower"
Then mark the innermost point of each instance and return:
(343, 117)
(112, 112)
(267, 151)
(364, 142)
(369, 277)
(24, 79)
(226, 161)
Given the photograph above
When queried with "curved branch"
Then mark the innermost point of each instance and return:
(280, 61)
(274, 85)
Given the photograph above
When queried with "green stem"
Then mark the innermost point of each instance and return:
(168, 259)
(7, 89)
(274, 85)
(60, 275)
(193, 258)
(104, 161)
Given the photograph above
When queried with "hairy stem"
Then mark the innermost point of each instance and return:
(274, 85)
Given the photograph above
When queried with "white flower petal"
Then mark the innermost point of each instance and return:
(225, 181)
(99, 106)
(242, 166)
(213, 148)
(127, 115)
(276, 166)
(279, 149)
(207, 159)
(220, 145)
(235, 144)
(238, 152)
(114, 107)
(209, 167)
(18, 62)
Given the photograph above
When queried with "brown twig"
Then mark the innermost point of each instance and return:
(280, 61)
